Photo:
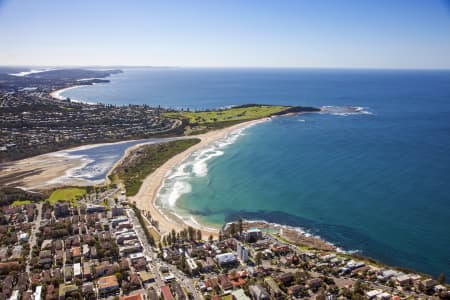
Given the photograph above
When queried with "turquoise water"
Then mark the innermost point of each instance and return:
(377, 183)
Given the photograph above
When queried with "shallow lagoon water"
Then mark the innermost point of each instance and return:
(99, 159)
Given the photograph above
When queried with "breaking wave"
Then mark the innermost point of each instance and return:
(176, 182)
(345, 110)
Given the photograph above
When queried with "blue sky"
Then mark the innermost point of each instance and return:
(212, 33)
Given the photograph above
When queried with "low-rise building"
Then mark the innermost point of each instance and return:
(252, 234)
(77, 270)
(108, 284)
(166, 293)
(192, 265)
(273, 288)
(146, 277)
(226, 259)
(258, 292)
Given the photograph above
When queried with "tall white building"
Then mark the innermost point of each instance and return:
(242, 252)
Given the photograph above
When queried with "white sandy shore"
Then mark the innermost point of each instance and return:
(57, 95)
(40, 172)
(146, 197)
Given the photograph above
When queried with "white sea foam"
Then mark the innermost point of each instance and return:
(179, 188)
(200, 166)
(176, 182)
(345, 110)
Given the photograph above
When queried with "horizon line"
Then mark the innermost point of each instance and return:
(228, 67)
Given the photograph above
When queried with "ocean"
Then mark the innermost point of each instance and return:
(376, 182)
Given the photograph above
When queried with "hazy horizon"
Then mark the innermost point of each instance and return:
(56, 67)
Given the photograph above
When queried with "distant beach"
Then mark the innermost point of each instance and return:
(57, 94)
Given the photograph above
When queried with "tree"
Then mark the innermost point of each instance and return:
(183, 263)
(210, 238)
(191, 233)
(199, 235)
(441, 278)
(258, 258)
(174, 236)
(232, 229)
(357, 288)
(240, 228)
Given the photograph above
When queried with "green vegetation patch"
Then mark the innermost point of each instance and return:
(145, 160)
(21, 202)
(240, 113)
(67, 195)
(150, 237)
(8, 195)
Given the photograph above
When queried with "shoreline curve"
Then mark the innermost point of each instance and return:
(147, 195)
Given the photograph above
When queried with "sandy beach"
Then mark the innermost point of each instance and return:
(57, 95)
(146, 197)
(39, 172)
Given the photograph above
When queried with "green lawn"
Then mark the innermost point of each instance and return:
(67, 195)
(21, 202)
(242, 113)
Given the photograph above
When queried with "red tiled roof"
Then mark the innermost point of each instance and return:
(165, 290)
(132, 297)
(107, 282)
(76, 251)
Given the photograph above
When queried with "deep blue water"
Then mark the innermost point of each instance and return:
(378, 183)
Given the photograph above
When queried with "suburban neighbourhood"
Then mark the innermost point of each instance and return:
(93, 244)
(33, 122)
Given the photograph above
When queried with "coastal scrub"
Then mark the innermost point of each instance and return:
(145, 160)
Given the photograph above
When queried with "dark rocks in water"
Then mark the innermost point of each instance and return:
(297, 110)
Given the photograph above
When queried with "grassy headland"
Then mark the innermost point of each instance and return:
(239, 113)
(202, 121)
(144, 160)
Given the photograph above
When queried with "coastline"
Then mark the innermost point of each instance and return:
(52, 170)
(146, 198)
(57, 95)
